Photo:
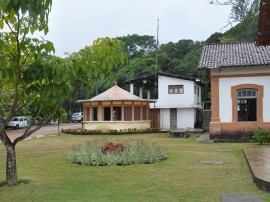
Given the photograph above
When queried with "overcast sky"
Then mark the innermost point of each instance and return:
(75, 24)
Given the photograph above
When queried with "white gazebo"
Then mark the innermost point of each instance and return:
(116, 109)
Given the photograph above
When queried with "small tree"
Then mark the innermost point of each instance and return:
(33, 79)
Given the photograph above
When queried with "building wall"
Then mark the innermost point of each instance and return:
(165, 119)
(224, 83)
(225, 97)
(166, 100)
(115, 125)
(186, 118)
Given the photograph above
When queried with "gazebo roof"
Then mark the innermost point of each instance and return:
(114, 93)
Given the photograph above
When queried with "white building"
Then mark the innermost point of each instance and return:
(178, 99)
(240, 88)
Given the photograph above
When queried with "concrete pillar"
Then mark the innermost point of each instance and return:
(148, 94)
(132, 88)
(141, 92)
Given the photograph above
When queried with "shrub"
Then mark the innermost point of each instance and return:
(261, 136)
(80, 131)
(101, 153)
(112, 147)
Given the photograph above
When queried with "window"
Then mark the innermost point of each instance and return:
(106, 113)
(117, 113)
(87, 113)
(128, 113)
(137, 113)
(144, 113)
(175, 89)
(95, 114)
(247, 104)
(195, 88)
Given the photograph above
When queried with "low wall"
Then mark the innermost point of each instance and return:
(235, 130)
(115, 125)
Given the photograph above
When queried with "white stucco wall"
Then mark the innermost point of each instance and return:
(225, 84)
(197, 96)
(186, 118)
(165, 119)
(115, 125)
(166, 100)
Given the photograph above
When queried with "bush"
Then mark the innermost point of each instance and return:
(261, 136)
(101, 153)
(80, 131)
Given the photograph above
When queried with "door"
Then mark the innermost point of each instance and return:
(155, 118)
(173, 118)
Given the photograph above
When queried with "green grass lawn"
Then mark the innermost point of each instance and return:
(45, 174)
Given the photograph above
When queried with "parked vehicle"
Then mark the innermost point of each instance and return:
(17, 122)
(77, 117)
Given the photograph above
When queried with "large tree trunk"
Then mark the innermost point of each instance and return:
(11, 168)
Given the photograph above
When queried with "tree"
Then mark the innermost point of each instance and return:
(98, 61)
(214, 38)
(244, 31)
(136, 45)
(31, 78)
(239, 8)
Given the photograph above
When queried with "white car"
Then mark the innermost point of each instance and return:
(77, 117)
(17, 122)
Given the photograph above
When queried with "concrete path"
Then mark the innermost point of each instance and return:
(46, 130)
(240, 198)
(204, 138)
(258, 160)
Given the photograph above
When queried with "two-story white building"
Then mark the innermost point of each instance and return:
(177, 99)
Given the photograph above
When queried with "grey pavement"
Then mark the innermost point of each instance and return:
(204, 137)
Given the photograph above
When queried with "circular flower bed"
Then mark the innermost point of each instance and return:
(100, 153)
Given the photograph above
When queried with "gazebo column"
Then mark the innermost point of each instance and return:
(148, 111)
(90, 113)
(111, 109)
(122, 112)
(132, 111)
(100, 116)
(141, 113)
(84, 111)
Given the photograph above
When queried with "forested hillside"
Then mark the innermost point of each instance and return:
(180, 57)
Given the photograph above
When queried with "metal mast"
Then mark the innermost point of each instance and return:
(155, 84)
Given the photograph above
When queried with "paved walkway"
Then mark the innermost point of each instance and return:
(204, 138)
(46, 130)
(259, 163)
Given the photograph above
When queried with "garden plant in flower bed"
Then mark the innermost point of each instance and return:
(80, 131)
(102, 153)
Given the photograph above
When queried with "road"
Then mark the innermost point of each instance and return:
(46, 130)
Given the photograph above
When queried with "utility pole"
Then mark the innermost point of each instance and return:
(155, 83)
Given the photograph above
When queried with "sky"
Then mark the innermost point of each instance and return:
(76, 24)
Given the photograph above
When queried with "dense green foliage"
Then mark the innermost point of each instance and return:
(261, 136)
